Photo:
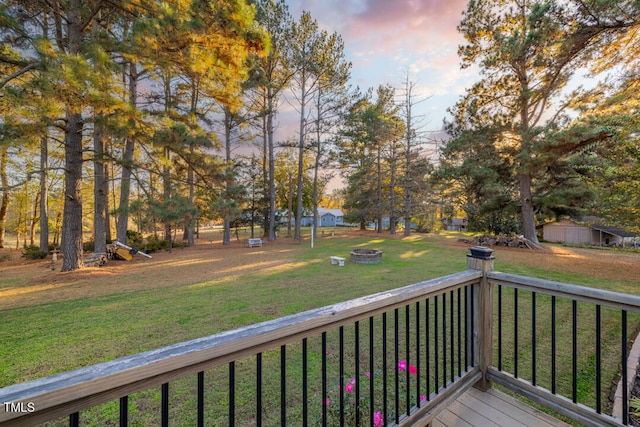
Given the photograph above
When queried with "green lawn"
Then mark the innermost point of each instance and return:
(51, 337)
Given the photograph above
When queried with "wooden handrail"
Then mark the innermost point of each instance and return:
(579, 293)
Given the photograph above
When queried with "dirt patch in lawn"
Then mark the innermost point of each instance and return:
(26, 282)
(597, 263)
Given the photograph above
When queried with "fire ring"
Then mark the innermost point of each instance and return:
(366, 256)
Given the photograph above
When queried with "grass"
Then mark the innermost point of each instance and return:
(45, 338)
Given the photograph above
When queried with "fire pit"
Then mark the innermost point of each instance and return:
(366, 256)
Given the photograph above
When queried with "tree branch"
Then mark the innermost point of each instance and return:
(17, 74)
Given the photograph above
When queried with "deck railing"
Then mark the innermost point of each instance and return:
(393, 358)
(571, 363)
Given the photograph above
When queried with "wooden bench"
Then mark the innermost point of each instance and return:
(254, 242)
(337, 260)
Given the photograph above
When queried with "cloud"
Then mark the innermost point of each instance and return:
(387, 39)
(412, 24)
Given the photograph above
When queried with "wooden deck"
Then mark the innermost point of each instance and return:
(493, 409)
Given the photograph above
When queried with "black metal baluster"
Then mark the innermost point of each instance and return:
(371, 372)
(74, 419)
(259, 389)
(533, 338)
(165, 405)
(341, 375)
(124, 411)
(385, 408)
(305, 383)
(357, 371)
(232, 394)
(553, 345)
(200, 399)
(515, 332)
(324, 378)
(598, 360)
(625, 390)
(436, 344)
(473, 326)
(396, 361)
(444, 340)
(283, 385)
(468, 330)
(452, 359)
(574, 350)
(500, 327)
(407, 352)
(459, 332)
(428, 348)
(418, 351)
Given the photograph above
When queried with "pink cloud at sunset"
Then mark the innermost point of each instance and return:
(385, 40)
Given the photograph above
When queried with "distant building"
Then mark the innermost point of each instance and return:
(454, 224)
(330, 217)
(326, 218)
(572, 232)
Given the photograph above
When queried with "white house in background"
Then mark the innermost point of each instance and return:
(326, 218)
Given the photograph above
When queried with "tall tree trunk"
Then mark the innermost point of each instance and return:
(392, 192)
(44, 195)
(4, 201)
(379, 186)
(71, 246)
(99, 191)
(272, 167)
(316, 167)
(265, 179)
(527, 209)
(166, 169)
(166, 186)
(226, 232)
(107, 213)
(34, 220)
(290, 205)
(297, 233)
(191, 221)
(408, 185)
(122, 223)
(524, 178)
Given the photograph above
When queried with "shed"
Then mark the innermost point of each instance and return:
(454, 224)
(603, 235)
(567, 231)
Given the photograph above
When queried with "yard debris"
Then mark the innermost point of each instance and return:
(126, 252)
(511, 241)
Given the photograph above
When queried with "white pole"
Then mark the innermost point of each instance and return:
(312, 236)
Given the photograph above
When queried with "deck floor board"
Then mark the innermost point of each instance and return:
(493, 408)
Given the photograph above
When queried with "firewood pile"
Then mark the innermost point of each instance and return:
(511, 241)
(95, 260)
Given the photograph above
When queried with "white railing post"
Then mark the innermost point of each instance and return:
(481, 259)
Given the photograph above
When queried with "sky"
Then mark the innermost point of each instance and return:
(386, 39)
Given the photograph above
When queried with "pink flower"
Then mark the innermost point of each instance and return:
(349, 388)
(423, 398)
(402, 365)
(368, 374)
(352, 381)
(413, 370)
(326, 402)
(377, 419)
